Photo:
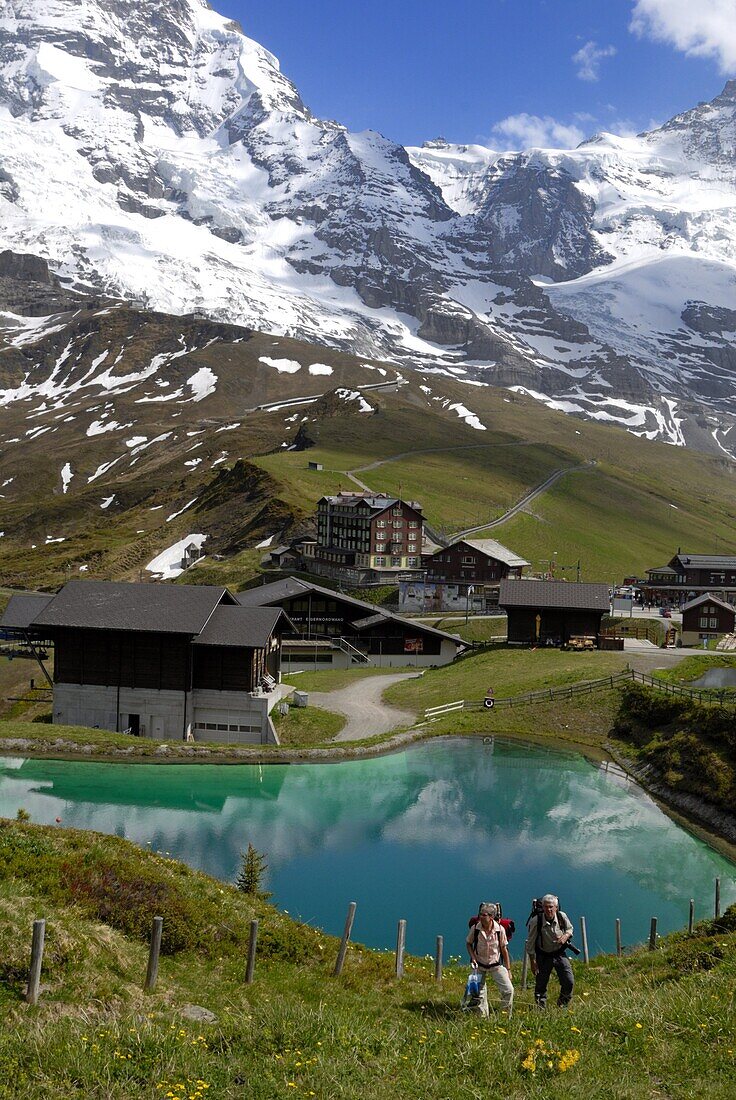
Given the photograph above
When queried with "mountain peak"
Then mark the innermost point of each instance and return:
(154, 152)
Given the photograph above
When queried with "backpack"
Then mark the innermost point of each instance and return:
(506, 923)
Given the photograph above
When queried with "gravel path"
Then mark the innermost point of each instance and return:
(361, 704)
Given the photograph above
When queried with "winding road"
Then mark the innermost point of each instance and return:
(361, 704)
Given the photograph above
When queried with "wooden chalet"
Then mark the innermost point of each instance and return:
(337, 631)
(159, 661)
(707, 617)
(553, 612)
(686, 576)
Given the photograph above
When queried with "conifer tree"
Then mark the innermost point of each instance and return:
(253, 867)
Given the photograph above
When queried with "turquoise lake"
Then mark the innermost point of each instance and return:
(425, 835)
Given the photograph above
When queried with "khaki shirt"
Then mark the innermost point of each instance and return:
(487, 949)
(550, 930)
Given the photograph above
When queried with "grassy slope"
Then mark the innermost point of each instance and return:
(305, 726)
(629, 511)
(509, 671)
(646, 1025)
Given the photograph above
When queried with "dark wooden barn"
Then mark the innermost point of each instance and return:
(553, 612)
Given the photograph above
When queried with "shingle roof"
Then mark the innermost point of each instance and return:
(117, 605)
(708, 597)
(562, 594)
(495, 550)
(22, 610)
(277, 590)
(241, 626)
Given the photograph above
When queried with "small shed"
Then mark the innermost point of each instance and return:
(707, 617)
(553, 612)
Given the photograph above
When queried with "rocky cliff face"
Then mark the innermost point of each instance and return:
(153, 152)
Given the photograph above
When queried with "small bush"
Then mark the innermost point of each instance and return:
(698, 955)
(128, 896)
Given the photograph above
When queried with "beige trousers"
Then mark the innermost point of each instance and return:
(500, 976)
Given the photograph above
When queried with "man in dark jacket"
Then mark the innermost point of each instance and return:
(548, 933)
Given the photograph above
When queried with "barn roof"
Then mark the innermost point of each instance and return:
(554, 594)
(22, 610)
(241, 626)
(119, 605)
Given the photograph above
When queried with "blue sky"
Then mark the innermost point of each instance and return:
(501, 72)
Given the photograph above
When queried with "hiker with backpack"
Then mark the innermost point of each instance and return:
(549, 932)
(487, 945)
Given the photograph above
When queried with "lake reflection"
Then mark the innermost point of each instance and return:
(425, 835)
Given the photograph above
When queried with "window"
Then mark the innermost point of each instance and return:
(380, 561)
(396, 511)
(703, 623)
(412, 536)
(380, 523)
(468, 559)
(380, 547)
(398, 523)
(713, 624)
(413, 561)
(396, 560)
(413, 523)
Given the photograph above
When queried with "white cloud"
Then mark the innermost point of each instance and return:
(588, 60)
(524, 131)
(705, 29)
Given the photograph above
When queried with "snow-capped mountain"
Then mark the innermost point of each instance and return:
(154, 152)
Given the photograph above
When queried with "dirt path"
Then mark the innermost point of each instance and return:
(361, 704)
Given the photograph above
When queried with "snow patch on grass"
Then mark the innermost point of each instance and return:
(168, 564)
(283, 366)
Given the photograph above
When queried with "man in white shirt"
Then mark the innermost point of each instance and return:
(489, 952)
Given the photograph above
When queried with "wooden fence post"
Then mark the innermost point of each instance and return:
(691, 917)
(400, 946)
(34, 976)
(619, 949)
(250, 967)
(153, 954)
(717, 905)
(653, 934)
(438, 958)
(584, 937)
(340, 961)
